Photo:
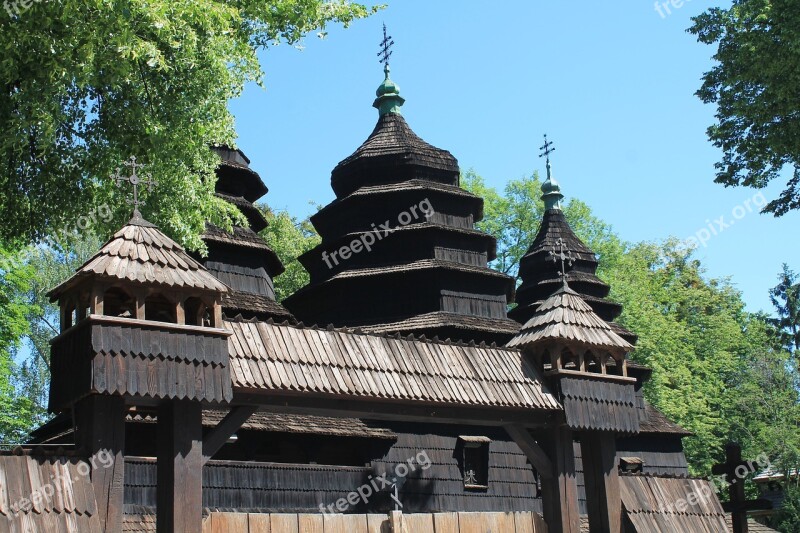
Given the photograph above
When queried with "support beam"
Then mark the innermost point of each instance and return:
(560, 491)
(217, 437)
(600, 472)
(100, 421)
(531, 449)
(179, 493)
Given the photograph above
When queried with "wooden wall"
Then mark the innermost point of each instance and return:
(524, 522)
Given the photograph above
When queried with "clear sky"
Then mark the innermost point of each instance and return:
(611, 83)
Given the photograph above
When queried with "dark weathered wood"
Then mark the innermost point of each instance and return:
(601, 476)
(732, 469)
(180, 467)
(560, 491)
(101, 429)
(535, 454)
(216, 438)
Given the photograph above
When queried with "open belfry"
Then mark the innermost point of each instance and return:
(393, 393)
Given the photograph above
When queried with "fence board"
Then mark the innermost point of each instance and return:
(378, 523)
(418, 523)
(445, 522)
(285, 523)
(311, 523)
(259, 523)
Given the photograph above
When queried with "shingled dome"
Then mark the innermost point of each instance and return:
(566, 317)
(139, 252)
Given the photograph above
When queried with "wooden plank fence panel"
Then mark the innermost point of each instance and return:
(259, 523)
(378, 523)
(229, 523)
(470, 523)
(310, 523)
(418, 523)
(523, 523)
(285, 523)
(445, 522)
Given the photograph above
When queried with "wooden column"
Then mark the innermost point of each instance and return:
(560, 491)
(600, 472)
(100, 423)
(179, 495)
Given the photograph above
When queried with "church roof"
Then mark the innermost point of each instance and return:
(566, 317)
(139, 252)
(393, 136)
(329, 363)
(649, 502)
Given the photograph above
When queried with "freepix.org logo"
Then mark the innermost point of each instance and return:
(388, 481)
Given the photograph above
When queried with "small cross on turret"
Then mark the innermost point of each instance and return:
(547, 149)
(135, 179)
(566, 259)
(386, 44)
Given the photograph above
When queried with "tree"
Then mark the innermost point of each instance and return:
(36, 321)
(89, 83)
(786, 298)
(289, 238)
(756, 88)
(15, 284)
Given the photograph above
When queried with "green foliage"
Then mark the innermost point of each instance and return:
(289, 238)
(785, 296)
(88, 83)
(787, 519)
(35, 321)
(756, 88)
(16, 277)
(717, 370)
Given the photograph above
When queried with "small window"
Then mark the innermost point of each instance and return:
(475, 461)
(631, 465)
(157, 308)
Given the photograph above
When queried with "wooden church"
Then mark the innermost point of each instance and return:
(393, 393)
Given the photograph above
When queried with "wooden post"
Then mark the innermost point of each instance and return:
(600, 472)
(560, 491)
(179, 495)
(735, 471)
(101, 434)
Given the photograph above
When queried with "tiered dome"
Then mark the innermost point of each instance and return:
(541, 276)
(241, 258)
(399, 251)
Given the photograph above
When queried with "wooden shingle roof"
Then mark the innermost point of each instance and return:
(393, 137)
(656, 504)
(271, 357)
(139, 252)
(565, 316)
(66, 501)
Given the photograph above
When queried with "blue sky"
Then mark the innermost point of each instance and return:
(611, 83)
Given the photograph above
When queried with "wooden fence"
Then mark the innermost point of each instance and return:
(395, 522)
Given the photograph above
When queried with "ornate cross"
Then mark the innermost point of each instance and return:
(547, 149)
(565, 258)
(385, 45)
(135, 180)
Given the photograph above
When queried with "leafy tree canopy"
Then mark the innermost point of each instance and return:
(89, 83)
(756, 88)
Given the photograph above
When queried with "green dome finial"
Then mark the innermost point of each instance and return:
(388, 94)
(551, 190)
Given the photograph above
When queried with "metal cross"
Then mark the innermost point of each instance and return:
(385, 45)
(565, 258)
(547, 149)
(135, 179)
